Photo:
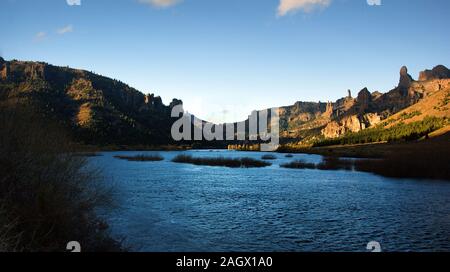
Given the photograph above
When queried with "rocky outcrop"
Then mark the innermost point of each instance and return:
(300, 113)
(363, 101)
(3, 69)
(100, 110)
(376, 95)
(342, 106)
(329, 110)
(338, 128)
(371, 119)
(153, 102)
(438, 72)
(352, 123)
(175, 102)
(405, 78)
(369, 109)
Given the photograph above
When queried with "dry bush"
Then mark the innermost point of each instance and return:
(48, 195)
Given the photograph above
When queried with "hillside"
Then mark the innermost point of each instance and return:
(95, 109)
(411, 101)
(435, 102)
(101, 111)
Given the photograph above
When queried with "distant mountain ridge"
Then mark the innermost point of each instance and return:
(103, 111)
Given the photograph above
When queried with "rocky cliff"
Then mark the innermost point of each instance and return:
(102, 111)
(438, 72)
(370, 109)
(307, 121)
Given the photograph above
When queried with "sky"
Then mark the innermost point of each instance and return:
(225, 58)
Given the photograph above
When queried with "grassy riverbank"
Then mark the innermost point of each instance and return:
(425, 159)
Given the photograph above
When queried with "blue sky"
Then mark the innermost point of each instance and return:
(224, 58)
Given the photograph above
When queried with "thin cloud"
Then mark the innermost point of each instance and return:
(64, 30)
(73, 2)
(40, 36)
(288, 6)
(374, 2)
(160, 3)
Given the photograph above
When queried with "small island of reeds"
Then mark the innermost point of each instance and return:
(221, 161)
(141, 158)
(328, 163)
(269, 157)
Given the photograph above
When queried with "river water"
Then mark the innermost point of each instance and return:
(166, 207)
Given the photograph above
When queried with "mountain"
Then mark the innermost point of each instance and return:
(96, 110)
(308, 121)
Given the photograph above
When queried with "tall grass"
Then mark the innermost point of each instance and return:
(220, 161)
(141, 158)
(328, 163)
(425, 165)
(269, 157)
(335, 163)
(48, 195)
(299, 164)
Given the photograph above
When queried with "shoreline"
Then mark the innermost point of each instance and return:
(423, 159)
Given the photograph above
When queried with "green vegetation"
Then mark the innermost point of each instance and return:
(269, 157)
(95, 110)
(141, 158)
(400, 132)
(446, 100)
(299, 164)
(405, 116)
(48, 196)
(220, 161)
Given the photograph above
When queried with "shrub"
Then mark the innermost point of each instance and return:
(405, 116)
(47, 195)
